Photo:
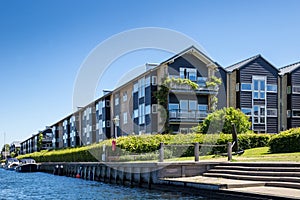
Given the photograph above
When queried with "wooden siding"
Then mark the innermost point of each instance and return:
(188, 60)
(272, 125)
(259, 67)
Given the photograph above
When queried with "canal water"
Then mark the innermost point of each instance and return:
(36, 186)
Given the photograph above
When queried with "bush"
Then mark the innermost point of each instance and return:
(222, 120)
(146, 147)
(286, 141)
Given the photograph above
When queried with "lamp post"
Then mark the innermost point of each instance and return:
(116, 121)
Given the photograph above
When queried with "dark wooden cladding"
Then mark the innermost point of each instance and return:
(259, 67)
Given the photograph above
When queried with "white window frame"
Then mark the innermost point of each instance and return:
(154, 80)
(259, 90)
(272, 115)
(117, 100)
(296, 89)
(124, 96)
(295, 116)
(125, 118)
(246, 90)
(259, 115)
(154, 108)
(135, 87)
(272, 85)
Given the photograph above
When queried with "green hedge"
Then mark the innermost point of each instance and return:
(286, 141)
(146, 146)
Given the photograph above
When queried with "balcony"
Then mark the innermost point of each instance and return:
(185, 88)
(187, 115)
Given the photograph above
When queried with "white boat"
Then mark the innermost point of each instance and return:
(27, 165)
(11, 163)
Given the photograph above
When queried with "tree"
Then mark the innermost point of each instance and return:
(40, 141)
(222, 120)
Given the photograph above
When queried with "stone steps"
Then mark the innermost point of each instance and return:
(272, 174)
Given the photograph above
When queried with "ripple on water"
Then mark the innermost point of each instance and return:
(36, 186)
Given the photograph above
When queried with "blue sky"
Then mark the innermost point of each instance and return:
(43, 44)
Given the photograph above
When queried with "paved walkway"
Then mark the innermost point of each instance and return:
(250, 187)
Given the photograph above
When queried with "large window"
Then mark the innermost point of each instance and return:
(259, 87)
(259, 116)
(188, 73)
(184, 106)
(125, 118)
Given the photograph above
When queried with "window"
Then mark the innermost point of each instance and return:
(136, 87)
(147, 81)
(272, 88)
(154, 108)
(136, 113)
(259, 89)
(247, 111)
(296, 89)
(125, 118)
(154, 80)
(202, 107)
(141, 90)
(192, 74)
(188, 73)
(142, 114)
(192, 105)
(184, 130)
(259, 115)
(271, 112)
(202, 81)
(116, 101)
(173, 106)
(124, 96)
(147, 110)
(246, 87)
(296, 113)
(184, 105)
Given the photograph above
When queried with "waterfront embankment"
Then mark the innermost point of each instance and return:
(176, 176)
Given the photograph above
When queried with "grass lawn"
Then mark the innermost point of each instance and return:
(251, 155)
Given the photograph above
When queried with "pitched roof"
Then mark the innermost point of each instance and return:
(241, 63)
(193, 49)
(289, 68)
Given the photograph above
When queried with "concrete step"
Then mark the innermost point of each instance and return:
(253, 178)
(265, 164)
(256, 173)
(283, 184)
(251, 168)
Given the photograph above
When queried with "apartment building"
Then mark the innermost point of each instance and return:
(269, 96)
(31, 144)
(253, 88)
(290, 96)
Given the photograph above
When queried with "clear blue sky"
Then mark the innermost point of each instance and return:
(43, 43)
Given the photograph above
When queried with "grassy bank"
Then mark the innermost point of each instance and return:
(261, 154)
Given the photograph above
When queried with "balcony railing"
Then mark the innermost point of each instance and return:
(187, 115)
(187, 88)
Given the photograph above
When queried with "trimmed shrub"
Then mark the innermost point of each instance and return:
(222, 120)
(286, 141)
(146, 147)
